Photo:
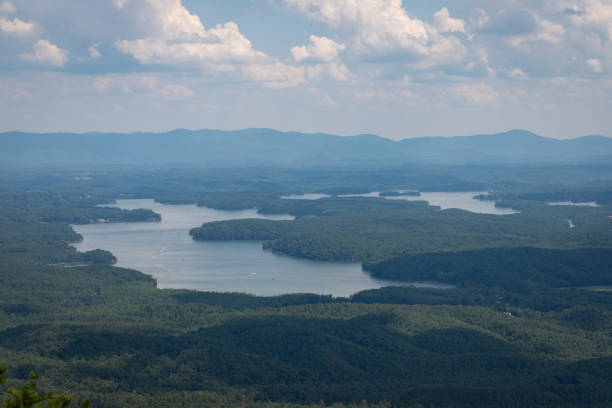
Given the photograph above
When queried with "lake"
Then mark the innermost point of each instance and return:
(444, 200)
(166, 251)
(310, 196)
(574, 204)
(459, 200)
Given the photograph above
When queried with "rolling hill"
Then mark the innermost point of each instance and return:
(266, 147)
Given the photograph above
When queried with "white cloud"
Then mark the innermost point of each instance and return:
(546, 31)
(173, 20)
(337, 71)
(119, 3)
(46, 53)
(178, 37)
(399, 95)
(143, 84)
(102, 84)
(444, 23)
(550, 32)
(221, 44)
(476, 93)
(517, 73)
(153, 85)
(376, 22)
(321, 48)
(7, 7)
(479, 19)
(379, 28)
(595, 14)
(276, 74)
(94, 52)
(175, 92)
(334, 70)
(595, 65)
(279, 75)
(16, 26)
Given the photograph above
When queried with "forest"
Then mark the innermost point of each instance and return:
(527, 324)
(371, 229)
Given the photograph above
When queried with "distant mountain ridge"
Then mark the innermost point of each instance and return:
(267, 147)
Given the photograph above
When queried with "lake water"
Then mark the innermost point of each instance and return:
(166, 251)
(574, 204)
(310, 196)
(444, 200)
(461, 200)
(374, 194)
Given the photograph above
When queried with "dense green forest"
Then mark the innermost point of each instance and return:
(514, 269)
(529, 323)
(371, 229)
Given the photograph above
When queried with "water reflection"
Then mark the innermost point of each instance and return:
(166, 251)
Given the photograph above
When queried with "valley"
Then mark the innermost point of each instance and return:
(173, 299)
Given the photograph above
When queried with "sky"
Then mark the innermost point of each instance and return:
(394, 68)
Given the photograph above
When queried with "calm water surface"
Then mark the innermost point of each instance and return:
(309, 196)
(166, 251)
(572, 203)
(444, 200)
(462, 200)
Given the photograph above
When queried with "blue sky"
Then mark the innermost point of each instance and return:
(393, 68)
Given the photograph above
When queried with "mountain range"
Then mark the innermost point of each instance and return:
(266, 147)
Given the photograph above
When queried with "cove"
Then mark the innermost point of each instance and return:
(458, 200)
(167, 252)
(574, 204)
(444, 200)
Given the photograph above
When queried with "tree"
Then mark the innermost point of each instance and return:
(27, 397)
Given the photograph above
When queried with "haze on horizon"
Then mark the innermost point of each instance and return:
(392, 68)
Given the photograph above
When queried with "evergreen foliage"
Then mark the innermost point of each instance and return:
(532, 332)
(26, 396)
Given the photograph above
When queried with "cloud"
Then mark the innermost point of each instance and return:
(521, 26)
(222, 44)
(374, 22)
(517, 73)
(545, 38)
(444, 23)
(280, 75)
(383, 28)
(149, 53)
(595, 14)
(321, 48)
(476, 93)
(47, 54)
(334, 70)
(399, 95)
(102, 83)
(572, 10)
(16, 26)
(595, 65)
(504, 22)
(178, 38)
(276, 74)
(546, 31)
(152, 85)
(7, 7)
(94, 52)
(175, 92)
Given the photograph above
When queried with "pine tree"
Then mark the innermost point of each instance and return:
(27, 397)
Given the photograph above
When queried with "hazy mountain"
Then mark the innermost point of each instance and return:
(254, 147)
